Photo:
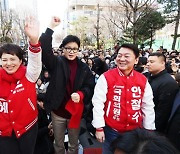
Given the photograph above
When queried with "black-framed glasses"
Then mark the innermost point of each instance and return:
(74, 50)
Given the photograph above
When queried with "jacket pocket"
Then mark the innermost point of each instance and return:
(31, 104)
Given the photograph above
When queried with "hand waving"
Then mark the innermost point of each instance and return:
(32, 29)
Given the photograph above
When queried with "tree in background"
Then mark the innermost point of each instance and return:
(147, 25)
(5, 25)
(97, 26)
(80, 27)
(134, 10)
(12, 28)
(90, 31)
(114, 18)
(18, 30)
(172, 12)
(123, 16)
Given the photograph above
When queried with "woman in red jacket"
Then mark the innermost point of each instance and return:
(18, 109)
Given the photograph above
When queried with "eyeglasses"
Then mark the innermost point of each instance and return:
(73, 50)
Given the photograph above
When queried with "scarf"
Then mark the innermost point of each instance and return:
(8, 81)
(76, 110)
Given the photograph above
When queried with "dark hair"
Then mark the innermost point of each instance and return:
(12, 49)
(141, 141)
(142, 61)
(158, 54)
(68, 39)
(133, 47)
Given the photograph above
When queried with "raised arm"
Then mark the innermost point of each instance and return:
(32, 30)
(55, 21)
(34, 53)
(48, 57)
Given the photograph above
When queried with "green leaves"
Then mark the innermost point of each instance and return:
(169, 6)
(146, 26)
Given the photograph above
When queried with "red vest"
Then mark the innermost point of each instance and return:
(19, 111)
(124, 100)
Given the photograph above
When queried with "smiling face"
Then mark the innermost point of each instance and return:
(10, 63)
(71, 50)
(125, 60)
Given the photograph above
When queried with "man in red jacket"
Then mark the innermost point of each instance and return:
(122, 100)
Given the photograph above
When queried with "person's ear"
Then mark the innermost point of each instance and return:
(137, 60)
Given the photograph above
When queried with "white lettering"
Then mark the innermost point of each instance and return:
(116, 98)
(4, 107)
(136, 104)
(117, 91)
(135, 117)
(116, 117)
(136, 92)
(117, 105)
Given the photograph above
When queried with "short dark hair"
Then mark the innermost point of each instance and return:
(158, 54)
(141, 141)
(68, 39)
(142, 61)
(133, 47)
(12, 49)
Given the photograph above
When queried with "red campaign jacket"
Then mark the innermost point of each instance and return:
(19, 111)
(18, 105)
(124, 100)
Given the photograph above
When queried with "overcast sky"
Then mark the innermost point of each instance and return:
(49, 8)
(45, 9)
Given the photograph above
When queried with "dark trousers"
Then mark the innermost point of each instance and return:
(173, 132)
(110, 136)
(23, 145)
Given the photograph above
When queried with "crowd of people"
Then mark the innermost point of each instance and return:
(128, 97)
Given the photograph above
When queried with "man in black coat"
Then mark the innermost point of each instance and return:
(164, 89)
(173, 130)
(70, 89)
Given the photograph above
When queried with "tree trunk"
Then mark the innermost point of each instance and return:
(151, 38)
(98, 14)
(176, 27)
(134, 26)
(134, 35)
